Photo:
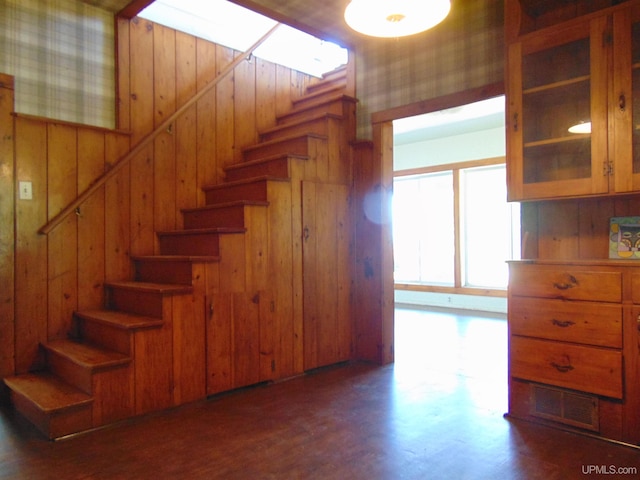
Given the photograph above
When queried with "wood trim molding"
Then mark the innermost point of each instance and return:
(439, 103)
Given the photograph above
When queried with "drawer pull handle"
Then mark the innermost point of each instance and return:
(562, 368)
(573, 281)
(562, 323)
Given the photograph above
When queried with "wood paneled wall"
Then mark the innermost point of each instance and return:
(159, 69)
(572, 229)
(7, 206)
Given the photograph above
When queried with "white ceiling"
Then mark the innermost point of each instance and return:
(474, 117)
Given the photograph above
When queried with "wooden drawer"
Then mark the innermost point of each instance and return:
(565, 282)
(589, 323)
(588, 369)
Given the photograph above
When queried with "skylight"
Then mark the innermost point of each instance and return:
(228, 24)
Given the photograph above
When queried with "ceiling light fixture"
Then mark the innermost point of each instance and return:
(581, 127)
(395, 18)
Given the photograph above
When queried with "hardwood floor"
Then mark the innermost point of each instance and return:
(437, 413)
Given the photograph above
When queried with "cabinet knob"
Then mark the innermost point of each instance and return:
(622, 102)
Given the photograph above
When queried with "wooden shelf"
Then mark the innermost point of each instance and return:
(555, 85)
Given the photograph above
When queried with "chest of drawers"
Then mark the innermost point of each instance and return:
(573, 346)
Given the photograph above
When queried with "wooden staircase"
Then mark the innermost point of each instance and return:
(147, 349)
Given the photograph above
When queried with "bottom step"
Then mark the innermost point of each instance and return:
(55, 407)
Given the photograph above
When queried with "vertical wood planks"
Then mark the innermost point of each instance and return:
(244, 107)
(91, 221)
(117, 224)
(186, 126)
(31, 285)
(7, 215)
(63, 246)
(164, 155)
(265, 94)
(225, 117)
(206, 61)
(142, 120)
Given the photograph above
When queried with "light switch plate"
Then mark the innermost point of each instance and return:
(26, 190)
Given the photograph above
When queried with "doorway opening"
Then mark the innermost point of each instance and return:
(453, 230)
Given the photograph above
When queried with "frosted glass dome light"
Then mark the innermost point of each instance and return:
(395, 18)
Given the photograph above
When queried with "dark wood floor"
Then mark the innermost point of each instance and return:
(437, 413)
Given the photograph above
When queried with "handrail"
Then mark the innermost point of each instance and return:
(73, 206)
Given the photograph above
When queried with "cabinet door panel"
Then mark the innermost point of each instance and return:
(558, 80)
(326, 272)
(625, 110)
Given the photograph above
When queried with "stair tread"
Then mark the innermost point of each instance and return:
(47, 392)
(87, 356)
(244, 181)
(300, 106)
(282, 140)
(177, 258)
(249, 163)
(162, 288)
(203, 231)
(319, 116)
(217, 206)
(122, 320)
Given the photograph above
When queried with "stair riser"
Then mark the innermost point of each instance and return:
(333, 83)
(113, 396)
(309, 112)
(255, 191)
(291, 146)
(54, 425)
(318, 126)
(205, 244)
(70, 372)
(277, 167)
(141, 303)
(177, 272)
(105, 335)
(232, 217)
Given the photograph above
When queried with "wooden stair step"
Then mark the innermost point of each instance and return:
(119, 320)
(298, 144)
(275, 166)
(320, 89)
(195, 241)
(252, 189)
(230, 214)
(52, 405)
(86, 356)
(337, 76)
(176, 269)
(317, 124)
(142, 298)
(48, 392)
(112, 329)
(151, 287)
(306, 108)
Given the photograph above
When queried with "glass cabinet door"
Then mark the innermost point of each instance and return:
(625, 100)
(557, 121)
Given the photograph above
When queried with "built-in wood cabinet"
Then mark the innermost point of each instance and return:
(574, 345)
(571, 121)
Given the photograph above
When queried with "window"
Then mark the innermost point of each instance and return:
(233, 26)
(452, 227)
